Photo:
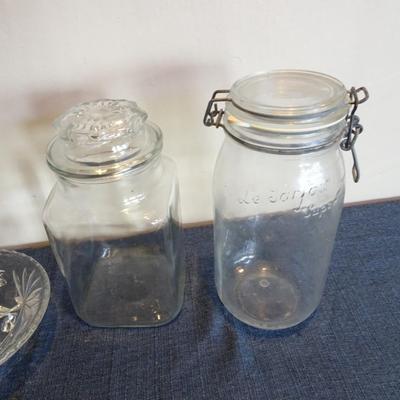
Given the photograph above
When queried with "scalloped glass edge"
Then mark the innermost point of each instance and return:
(11, 349)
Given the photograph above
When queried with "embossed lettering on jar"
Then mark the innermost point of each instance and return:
(278, 191)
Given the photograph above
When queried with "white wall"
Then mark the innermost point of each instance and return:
(169, 56)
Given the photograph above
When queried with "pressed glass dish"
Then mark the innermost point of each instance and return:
(24, 296)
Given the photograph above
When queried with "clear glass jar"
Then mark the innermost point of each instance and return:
(113, 216)
(278, 193)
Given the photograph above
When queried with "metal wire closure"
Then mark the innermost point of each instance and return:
(213, 117)
(354, 128)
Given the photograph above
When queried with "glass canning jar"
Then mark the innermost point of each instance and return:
(278, 191)
(113, 217)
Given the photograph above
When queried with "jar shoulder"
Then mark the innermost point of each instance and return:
(238, 164)
(148, 193)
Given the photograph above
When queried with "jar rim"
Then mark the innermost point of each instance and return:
(286, 110)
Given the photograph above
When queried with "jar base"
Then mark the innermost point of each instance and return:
(265, 300)
(127, 324)
(129, 289)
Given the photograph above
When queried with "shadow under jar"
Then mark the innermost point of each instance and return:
(278, 191)
(113, 216)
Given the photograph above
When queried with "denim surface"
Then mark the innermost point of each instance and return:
(348, 349)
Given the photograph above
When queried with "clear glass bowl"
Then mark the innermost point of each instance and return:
(24, 296)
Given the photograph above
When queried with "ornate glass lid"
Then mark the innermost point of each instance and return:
(102, 138)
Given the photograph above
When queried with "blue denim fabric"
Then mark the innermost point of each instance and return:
(349, 348)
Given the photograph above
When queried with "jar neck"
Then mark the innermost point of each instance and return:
(288, 137)
(151, 165)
